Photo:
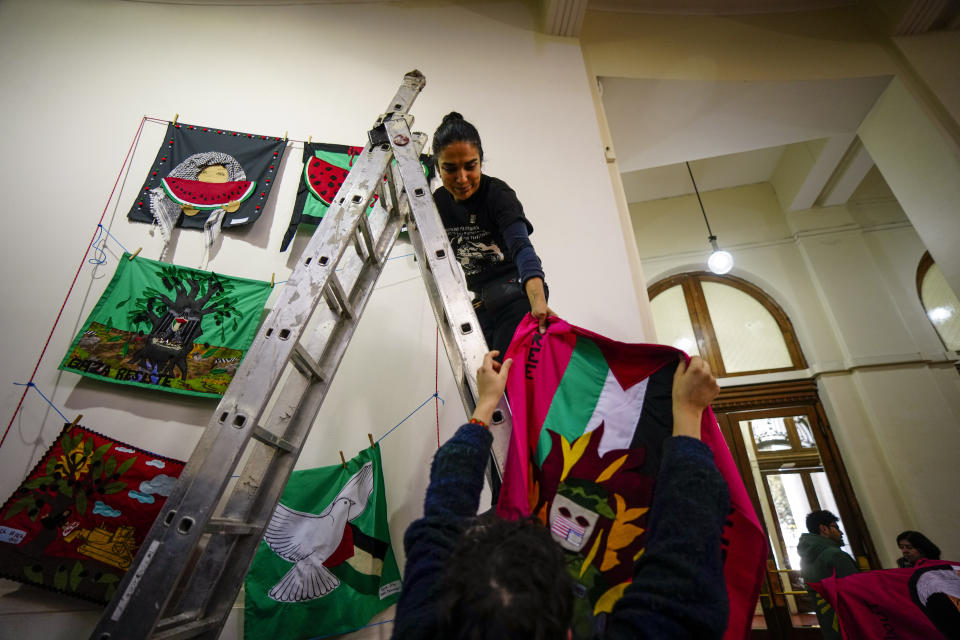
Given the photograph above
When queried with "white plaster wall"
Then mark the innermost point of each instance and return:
(77, 77)
(922, 169)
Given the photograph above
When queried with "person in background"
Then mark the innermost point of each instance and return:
(484, 578)
(915, 546)
(489, 234)
(822, 557)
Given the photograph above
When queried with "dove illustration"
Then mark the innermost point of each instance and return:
(308, 540)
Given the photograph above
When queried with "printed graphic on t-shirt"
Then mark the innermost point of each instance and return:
(475, 248)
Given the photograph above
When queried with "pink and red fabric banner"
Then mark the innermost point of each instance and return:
(590, 416)
(915, 603)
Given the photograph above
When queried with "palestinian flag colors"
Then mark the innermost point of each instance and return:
(589, 419)
(914, 603)
(325, 565)
(75, 523)
(166, 327)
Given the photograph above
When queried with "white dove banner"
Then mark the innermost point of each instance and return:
(325, 565)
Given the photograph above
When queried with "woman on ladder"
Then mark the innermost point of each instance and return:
(489, 235)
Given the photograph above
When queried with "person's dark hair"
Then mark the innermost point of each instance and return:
(921, 543)
(821, 517)
(452, 129)
(506, 579)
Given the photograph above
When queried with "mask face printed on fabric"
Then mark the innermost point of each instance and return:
(571, 524)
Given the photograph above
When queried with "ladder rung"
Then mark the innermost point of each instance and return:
(225, 526)
(271, 439)
(303, 361)
(185, 629)
(335, 289)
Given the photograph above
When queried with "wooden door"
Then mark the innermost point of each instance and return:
(787, 457)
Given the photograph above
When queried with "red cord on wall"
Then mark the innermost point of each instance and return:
(77, 275)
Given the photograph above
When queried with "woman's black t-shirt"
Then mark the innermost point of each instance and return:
(474, 227)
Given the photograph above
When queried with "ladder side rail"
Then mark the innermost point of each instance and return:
(218, 580)
(211, 465)
(168, 561)
(216, 596)
(463, 338)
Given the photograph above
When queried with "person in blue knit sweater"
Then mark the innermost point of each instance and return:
(472, 577)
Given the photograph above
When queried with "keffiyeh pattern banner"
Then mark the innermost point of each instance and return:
(162, 326)
(208, 178)
(326, 565)
(76, 522)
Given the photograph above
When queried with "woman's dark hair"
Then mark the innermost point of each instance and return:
(452, 129)
(506, 579)
(921, 543)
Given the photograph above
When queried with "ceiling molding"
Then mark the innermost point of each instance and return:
(715, 7)
(562, 17)
(922, 16)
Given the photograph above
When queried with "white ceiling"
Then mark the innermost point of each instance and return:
(735, 132)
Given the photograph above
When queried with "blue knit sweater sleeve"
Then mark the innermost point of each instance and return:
(453, 497)
(678, 588)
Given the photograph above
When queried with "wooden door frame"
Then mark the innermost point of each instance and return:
(801, 394)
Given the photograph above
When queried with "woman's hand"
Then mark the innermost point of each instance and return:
(491, 381)
(538, 302)
(694, 387)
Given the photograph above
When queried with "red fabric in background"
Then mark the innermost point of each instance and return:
(76, 522)
(878, 604)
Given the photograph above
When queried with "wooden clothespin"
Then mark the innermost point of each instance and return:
(272, 276)
(135, 253)
(76, 421)
(370, 437)
(285, 135)
(343, 460)
(176, 116)
(309, 139)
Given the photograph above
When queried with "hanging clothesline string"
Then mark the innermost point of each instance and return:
(49, 402)
(101, 256)
(422, 405)
(83, 259)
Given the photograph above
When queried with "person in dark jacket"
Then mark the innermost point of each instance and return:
(482, 578)
(822, 557)
(489, 234)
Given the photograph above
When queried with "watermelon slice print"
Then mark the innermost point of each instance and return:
(206, 196)
(324, 179)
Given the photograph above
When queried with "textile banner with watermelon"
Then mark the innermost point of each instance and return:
(208, 178)
(162, 326)
(76, 522)
(914, 603)
(325, 167)
(325, 565)
(590, 416)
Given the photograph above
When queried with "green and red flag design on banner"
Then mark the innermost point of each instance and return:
(589, 419)
(325, 565)
(76, 522)
(161, 326)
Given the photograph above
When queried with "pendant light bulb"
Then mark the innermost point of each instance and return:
(720, 261)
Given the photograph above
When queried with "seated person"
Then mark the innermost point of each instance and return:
(487, 578)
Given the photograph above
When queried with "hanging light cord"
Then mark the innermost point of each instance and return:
(702, 210)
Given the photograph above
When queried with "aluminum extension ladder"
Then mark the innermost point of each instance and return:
(186, 576)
